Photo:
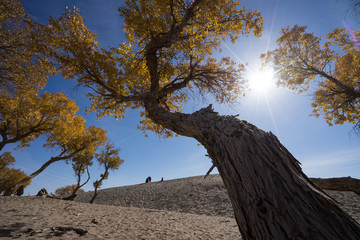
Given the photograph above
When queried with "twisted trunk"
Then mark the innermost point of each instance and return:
(272, 198)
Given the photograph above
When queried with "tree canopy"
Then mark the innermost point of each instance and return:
(24, 69)
(24, 116)
(304, 62)
(25, 66)
(167, 55)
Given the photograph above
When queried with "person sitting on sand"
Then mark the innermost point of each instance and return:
(20, 191)
(148, 180)
(42, 192)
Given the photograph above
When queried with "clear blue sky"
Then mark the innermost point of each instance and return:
(323, 151)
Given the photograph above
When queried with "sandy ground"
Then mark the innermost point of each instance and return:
(37, 218)
(189, 208)
(190, 195)
(193, 195)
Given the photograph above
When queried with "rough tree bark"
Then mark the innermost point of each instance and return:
(272, 198)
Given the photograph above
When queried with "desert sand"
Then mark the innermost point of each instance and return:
(188, 208)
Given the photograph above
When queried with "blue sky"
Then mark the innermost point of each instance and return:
(323, 151)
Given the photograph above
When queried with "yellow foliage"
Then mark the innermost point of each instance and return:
(167, 54)
(24, 64)
(332, 67)
(25, 51)
(25, 48)
(109, 157)
(67, 190)
(6, 159)
(9, 176)
(24, 116)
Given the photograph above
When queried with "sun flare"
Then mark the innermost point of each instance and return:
(262, 80)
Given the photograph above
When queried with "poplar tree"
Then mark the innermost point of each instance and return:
(328, 69)
(166, 57)
(110, 160)
(24, 115)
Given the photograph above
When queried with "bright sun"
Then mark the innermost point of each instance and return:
(262, 80)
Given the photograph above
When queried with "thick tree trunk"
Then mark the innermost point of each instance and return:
(272, 198)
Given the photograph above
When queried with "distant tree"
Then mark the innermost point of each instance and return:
(9, 176)
(167, 56)
(111, 161)
(303, 63)
(79, 166)
(72, 139)
(67, 190)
